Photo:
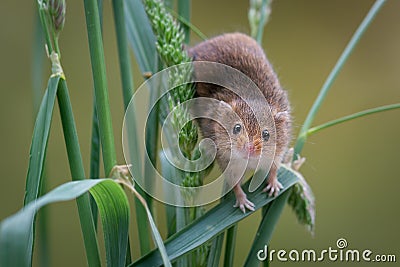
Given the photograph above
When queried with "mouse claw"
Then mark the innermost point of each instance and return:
(274, 187)
(291, 162)
(243, 203)
(288, 158)
(298, 163)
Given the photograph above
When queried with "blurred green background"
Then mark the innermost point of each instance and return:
(351, 167)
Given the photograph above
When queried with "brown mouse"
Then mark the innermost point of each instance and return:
(243, 53)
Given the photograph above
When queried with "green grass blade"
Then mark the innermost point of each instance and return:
(184, 8)
(302, 202)
(265, 11)
(155, 233)
(218, 219)
(158, 240)
(142, 41)
(169, 173)
(151, 140)
(37, 71)
(114, 213)
(230, 245)
(141, 36)
(352, 117)
(216, 250)
(141, 216)
(100, 84)
(70, 136)
(126, 79)
(40, 138)
(258, 15)
(123, 51)
(175, 215)
(94, 171)
(188, 24)
(301, 139)
(266, 228)
(77, 173)
(95, 146)
(45, 28)
(169, 4)
(16, 235)
(100, 8)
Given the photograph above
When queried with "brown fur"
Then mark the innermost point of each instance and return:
(244, 54)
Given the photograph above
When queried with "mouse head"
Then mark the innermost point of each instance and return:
(244, 132)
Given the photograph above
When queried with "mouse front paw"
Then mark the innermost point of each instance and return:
(291, 162)
(243, 203)
(273, 187)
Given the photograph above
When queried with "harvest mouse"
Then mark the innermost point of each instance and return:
(246, 137)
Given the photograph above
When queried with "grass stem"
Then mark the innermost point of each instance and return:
(100, 84)
(184, 8)
(351, 117)
(263, 19)
(334, 73)
(78, 173)
(188, 24)
(127, 92)
(230, 245)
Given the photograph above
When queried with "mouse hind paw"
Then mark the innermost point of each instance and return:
(273, 187)
(243, 203)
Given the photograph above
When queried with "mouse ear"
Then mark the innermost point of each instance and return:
(281, 116)
(225, 104)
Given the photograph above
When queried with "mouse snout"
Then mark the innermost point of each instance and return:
(249, 146)
(253, 148)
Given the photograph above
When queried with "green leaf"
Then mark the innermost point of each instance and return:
(100, 84)
(266, 228)
(141, 36)
(142, 40)
(37, 71)
(95, 146)
(94, 171)
(40, 138)
(155, 233)
(16, 235)
(302, 202)
(158, 240)
(114, 213)
(187, 24)
(77, 173)
(169, 173)
(216, 220)
(216, 250)
(184, 8)
(230, 245)
(119, 7)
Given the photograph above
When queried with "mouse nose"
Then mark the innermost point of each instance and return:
(252, 149)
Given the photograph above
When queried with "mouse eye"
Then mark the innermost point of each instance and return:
(237, 128)
(265, 135)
